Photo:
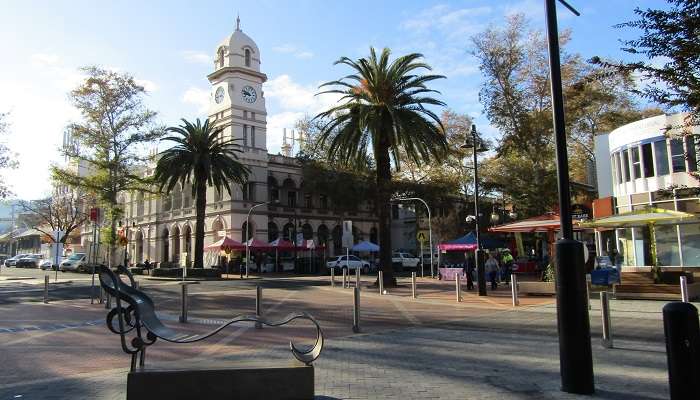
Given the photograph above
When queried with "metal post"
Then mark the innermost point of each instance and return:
(413, 285)
(684, 289)
(682, 333)
(381, 282)
(588, 294)
(480, 271)
(332, 277)
(46, 289)
(575, 354)
(458, 288)
(258, 305)
(514, 289)
(356, 310)
(183, 304)
(357, 278)
(345, 277)
(607, 341)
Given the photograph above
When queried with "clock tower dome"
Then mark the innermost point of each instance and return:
(237, 101)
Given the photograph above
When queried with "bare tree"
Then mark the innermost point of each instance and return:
(57, 213)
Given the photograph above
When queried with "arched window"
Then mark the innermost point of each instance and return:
(322, 233)
(288, 231)
(273, 189)
(176, 245)
(248, 190)
(247, 57)
(187, 197)
(272, 231)
(217, 227)
(167, 202)
(220, 57)
(337, 239)
(307, 231)
(165, 240)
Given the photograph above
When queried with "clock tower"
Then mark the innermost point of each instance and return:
(237, 102)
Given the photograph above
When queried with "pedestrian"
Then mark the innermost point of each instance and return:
(147, 266)
(470, 272)
(507, 264)
(491, 268)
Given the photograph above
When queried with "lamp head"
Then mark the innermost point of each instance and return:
(474, 142)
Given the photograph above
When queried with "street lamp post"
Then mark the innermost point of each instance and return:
(575, 355)
(247, 228)
(430, 232)
(477, 147)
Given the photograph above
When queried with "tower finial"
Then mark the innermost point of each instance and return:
(238, 22)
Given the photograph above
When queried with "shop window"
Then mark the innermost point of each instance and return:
(677, 155)
(636, 162)
(626, 165)
(691, 143)
(667, 246)
(661, 157)
(648, 160)
(690, 244)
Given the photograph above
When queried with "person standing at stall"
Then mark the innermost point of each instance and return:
(507, 261)
(491, 268)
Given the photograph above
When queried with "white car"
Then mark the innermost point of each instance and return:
(48, 263)
(349, 262)
(76, 263)
(406, 260)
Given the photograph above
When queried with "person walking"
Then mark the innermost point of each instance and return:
(507, 261)
(470, 272)
(491, 268)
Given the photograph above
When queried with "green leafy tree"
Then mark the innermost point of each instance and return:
(108, 146)
(382, 113)
(200, 158)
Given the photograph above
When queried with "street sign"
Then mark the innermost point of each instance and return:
(299, 239)
(422, 236)
(310, 244)
(347, 239)
(94, 214)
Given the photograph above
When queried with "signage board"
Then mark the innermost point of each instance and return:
(422, 236)
(580, 212)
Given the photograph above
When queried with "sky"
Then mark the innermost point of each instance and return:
(168, 46)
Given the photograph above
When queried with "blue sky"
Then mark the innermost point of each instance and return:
(168, 46)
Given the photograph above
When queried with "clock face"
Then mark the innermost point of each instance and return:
(219, 95)
(248, 94)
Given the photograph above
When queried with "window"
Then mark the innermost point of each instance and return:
(648, 160)
(247, 57)
(691, 142)
(626, 166)
(248, 191)
(661, 157)
(245, 135)
(252, 136)
(677, 155)
(252, 116)
(323, 200)
(308, 202)
(292, 198)
(274, 194)
(636, 162)
(618, 167)
(221, 57)
(245, 114)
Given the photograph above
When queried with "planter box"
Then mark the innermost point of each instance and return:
(191, 272)
(540, 288)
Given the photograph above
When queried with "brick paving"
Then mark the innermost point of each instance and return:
(431, 347)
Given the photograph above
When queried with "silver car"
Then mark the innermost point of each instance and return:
(75, 263)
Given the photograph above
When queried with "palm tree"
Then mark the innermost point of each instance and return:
(382, 115)
(200, 158)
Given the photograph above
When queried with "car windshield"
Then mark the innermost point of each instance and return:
(76, 256)
(354, 258)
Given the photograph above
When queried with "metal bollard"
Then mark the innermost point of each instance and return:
(607, 341)
(183, 304)
(514, 289)
(356, 310)
(684, 289)
(46, 289)
(381, 282)
(413, 285)
(458, 288)
(258, 305)
(357, 278)
(332, 277)
(345, 277)
(682, 332)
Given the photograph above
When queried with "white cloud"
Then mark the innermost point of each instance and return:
(43, 59)
(198, 97)
(452, 23)
(150, 86)
(295, 51)
(197, 57)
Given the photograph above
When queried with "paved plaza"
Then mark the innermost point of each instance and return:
(430, 347)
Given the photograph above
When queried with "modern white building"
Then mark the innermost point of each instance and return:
(161, 227)
(650, 162)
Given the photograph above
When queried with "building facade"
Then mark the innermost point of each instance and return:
(161, 228)
(650, 162)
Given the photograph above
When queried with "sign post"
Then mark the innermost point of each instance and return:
(347, 240)
(421, 240)
(57, 237)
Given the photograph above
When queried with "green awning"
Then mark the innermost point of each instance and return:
(640, 218)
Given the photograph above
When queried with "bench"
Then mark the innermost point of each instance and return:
(136, 317)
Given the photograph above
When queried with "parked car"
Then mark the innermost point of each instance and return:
(12, 261)
(49, 264)
(29, 261)
(75, 263)
(350, 263)
(406, 260)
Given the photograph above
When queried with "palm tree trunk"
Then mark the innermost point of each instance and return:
(201, 206)
(383, 211)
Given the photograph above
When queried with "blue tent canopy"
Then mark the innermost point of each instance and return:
(365, 246)
(468, 242)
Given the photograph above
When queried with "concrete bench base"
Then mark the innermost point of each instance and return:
(537, 288)
(250, 382)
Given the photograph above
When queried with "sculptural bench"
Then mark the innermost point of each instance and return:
(136, 317)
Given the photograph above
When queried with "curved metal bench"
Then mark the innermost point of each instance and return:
(138, 317)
